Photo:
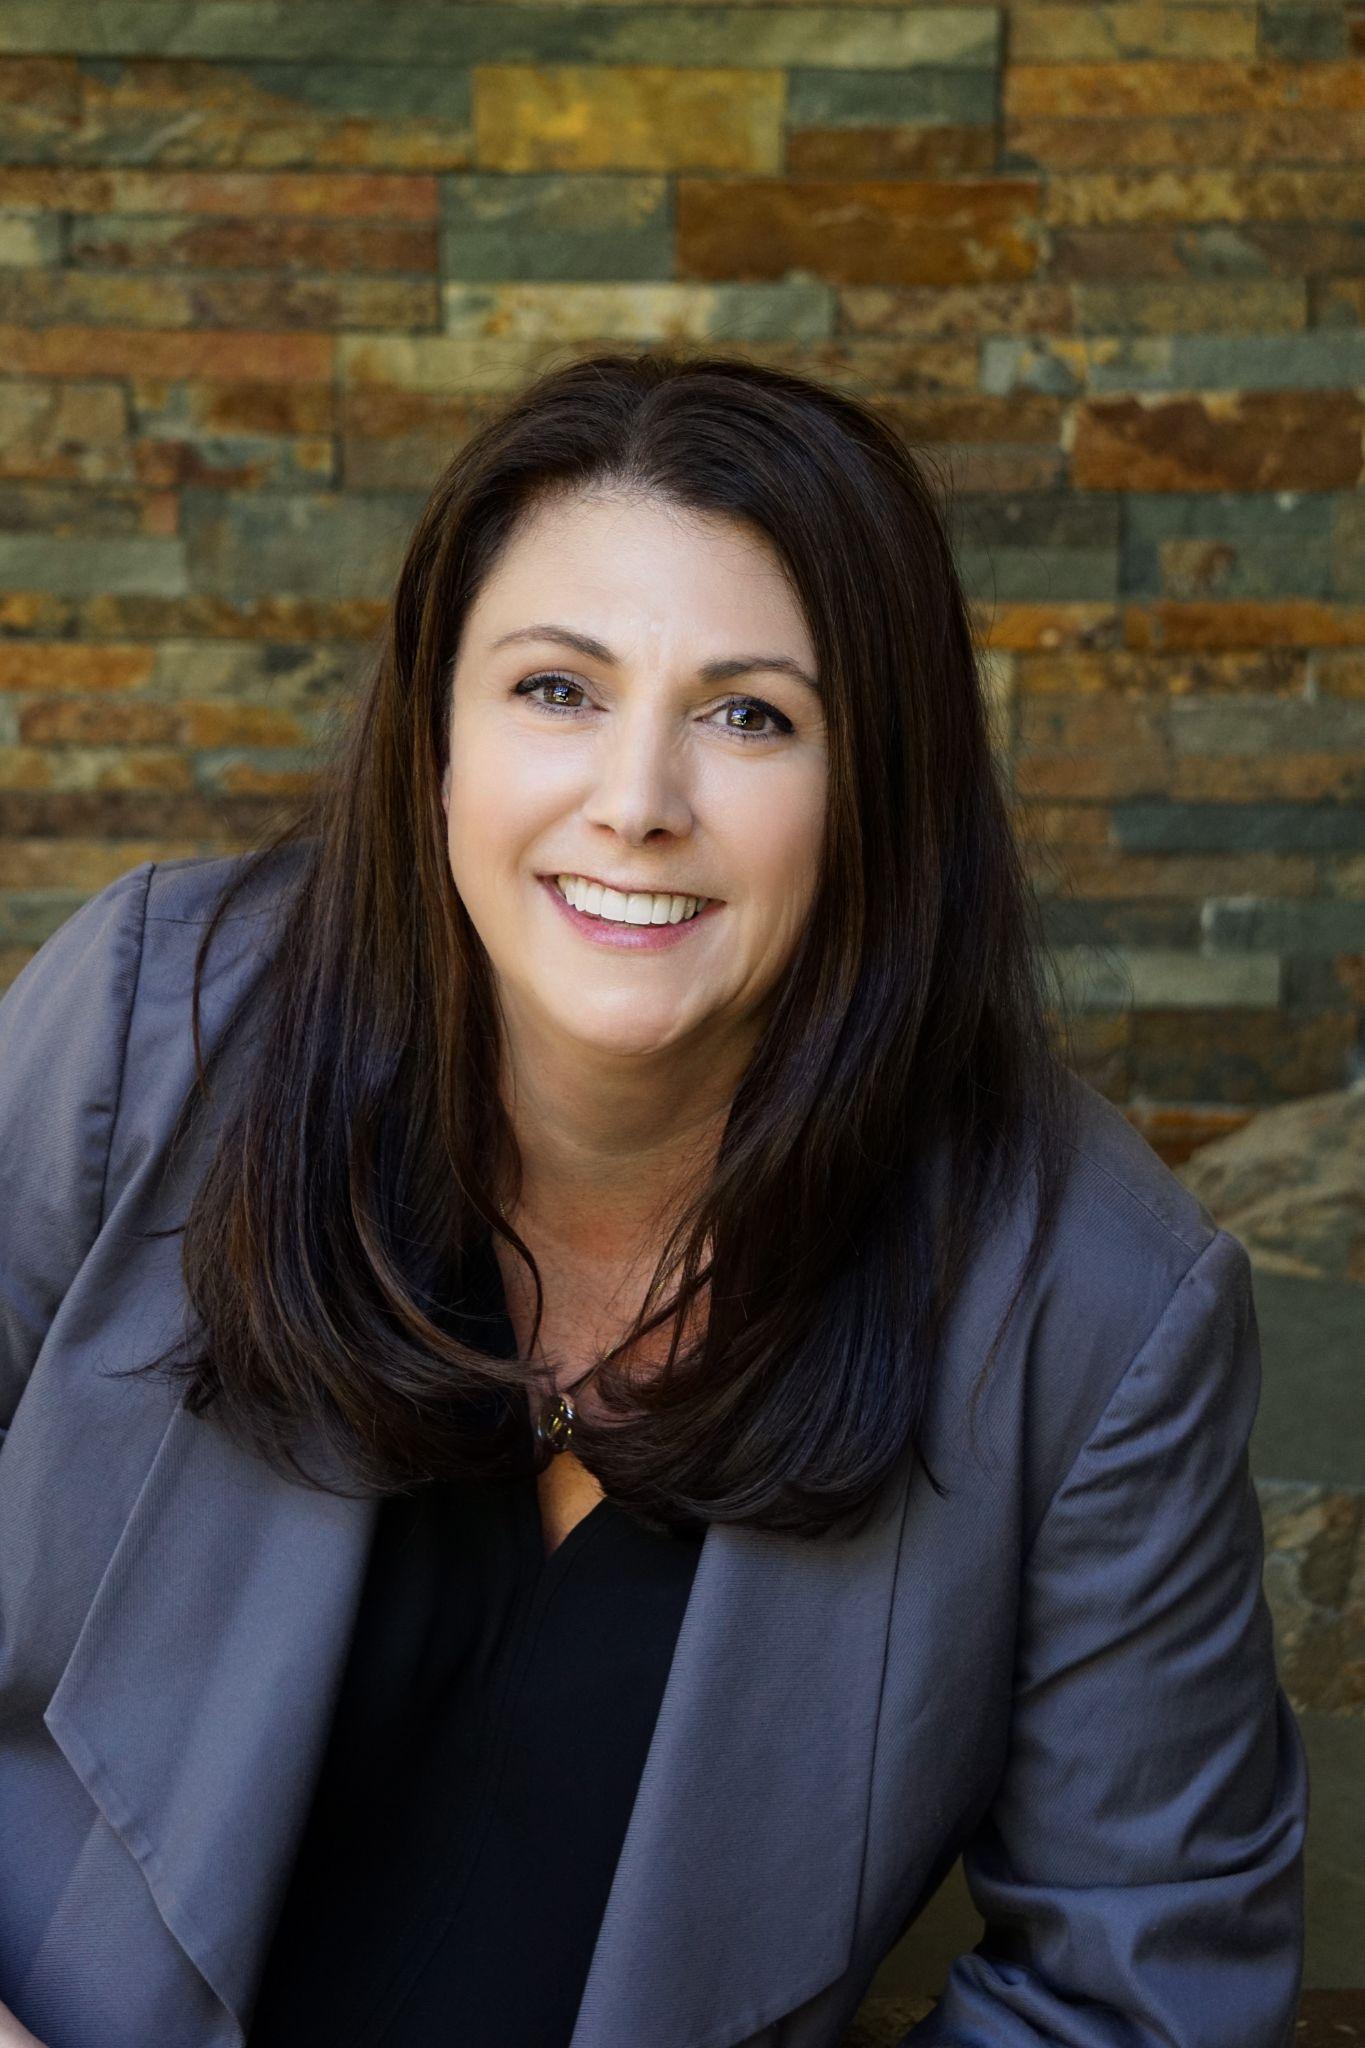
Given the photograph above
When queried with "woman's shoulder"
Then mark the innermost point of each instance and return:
(1118, 1182)
(1135, 1260)
(187, 891)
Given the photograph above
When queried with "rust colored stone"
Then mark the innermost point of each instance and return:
(66, 665)
(1220, 441)
(915, 151)
(377, 195)
(1118, 91)
(916, 232)
(86, 352)
(1147, 142)
(1244, 622)
(98, 722)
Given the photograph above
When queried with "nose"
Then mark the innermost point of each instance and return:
(638, 775)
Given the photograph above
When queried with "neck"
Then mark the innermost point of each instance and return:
(609, 1144)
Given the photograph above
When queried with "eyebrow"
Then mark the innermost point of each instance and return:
(722, 671)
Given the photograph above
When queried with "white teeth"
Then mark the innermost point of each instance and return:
(637, 908)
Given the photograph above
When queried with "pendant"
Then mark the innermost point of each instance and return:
(554, 1425)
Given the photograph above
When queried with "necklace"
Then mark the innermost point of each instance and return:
(555, 1419)
(554, 1424)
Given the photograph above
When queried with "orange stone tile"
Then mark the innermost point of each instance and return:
(914, 151)
(1124, 672)
(884, 232)
(1262, 778)
(74, 665)
(1150, 142)
(72, 863)
(98, 722)
(1018, 627)
(240, 725)
(338, 195)
(1244, 622)
(1116, 91)
(1220, 441)
(132, 351)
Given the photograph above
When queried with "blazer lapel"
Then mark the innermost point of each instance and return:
(197, 1700)
(735, 1898)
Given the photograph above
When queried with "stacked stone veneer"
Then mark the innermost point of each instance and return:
(263, 265)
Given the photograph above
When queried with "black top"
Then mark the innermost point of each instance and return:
(483, 1761)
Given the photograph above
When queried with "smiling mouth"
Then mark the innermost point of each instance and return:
(594, 881)
(639, 907)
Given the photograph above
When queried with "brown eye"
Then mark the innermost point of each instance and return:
(758, 709)
(533, 683)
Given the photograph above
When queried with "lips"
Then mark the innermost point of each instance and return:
(610, 933)
(629, 888)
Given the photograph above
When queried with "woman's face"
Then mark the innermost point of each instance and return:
(625, 765)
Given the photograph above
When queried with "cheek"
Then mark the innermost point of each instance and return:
(785, 843)
(482, 779)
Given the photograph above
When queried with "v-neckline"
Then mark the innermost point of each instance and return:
(550, 1564)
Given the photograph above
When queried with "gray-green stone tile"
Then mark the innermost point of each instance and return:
(1245, 724)
(86, 567)
(1119, 923)
(1311, 1421)
(589, 227)
(1294, 925)
(1309, 827)
(424, 90)
(277, 31)
(1165, 978)
(1037, 520)
(333, 548)
(1334, 1861)
(1314, 35)
(1025, 575)
(1316, 361)
(886, 99)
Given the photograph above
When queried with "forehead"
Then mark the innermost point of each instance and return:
(609, 578)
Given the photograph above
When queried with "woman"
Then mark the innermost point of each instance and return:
(696, 1418)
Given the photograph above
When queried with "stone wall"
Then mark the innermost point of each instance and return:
(262, 265)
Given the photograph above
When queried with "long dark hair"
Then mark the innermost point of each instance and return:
(905, 1085)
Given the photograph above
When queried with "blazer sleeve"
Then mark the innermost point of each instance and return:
(1140, 1868)
(64, 1023)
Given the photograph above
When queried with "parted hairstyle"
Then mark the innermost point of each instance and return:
(908, 1080)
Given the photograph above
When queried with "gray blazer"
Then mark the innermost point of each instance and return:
(1063, 1670)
